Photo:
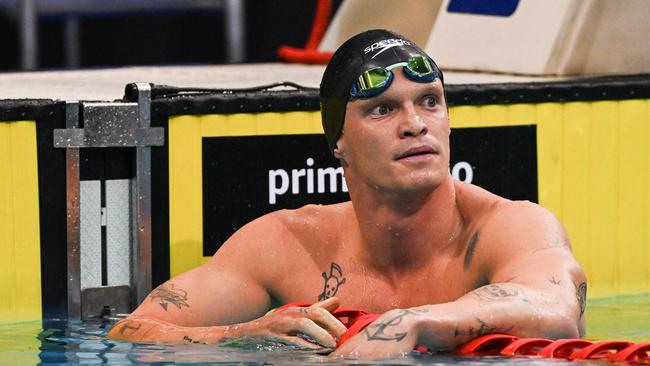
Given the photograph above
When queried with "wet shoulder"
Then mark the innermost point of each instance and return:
(288, 235)
(316, 223)
(480, 205)
(475, 203)
(508, 225)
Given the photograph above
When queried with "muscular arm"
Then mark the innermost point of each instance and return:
(536, 289)
(227, 297)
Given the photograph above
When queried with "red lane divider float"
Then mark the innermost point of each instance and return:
(510, 346)
(563, 348)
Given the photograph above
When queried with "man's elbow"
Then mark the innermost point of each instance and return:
(117, 332)
(557, 326)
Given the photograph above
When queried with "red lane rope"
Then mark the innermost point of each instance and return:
(310, 54)
(510, 346)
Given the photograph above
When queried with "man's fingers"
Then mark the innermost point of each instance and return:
(330, 304)
(314, 331)
(297, 341)
(326, 320)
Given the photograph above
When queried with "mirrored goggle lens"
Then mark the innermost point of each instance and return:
(419, 65)
(372, 78)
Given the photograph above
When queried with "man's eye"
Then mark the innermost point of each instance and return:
(430, 101)
(380, 110)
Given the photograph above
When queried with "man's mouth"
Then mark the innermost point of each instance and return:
(416, 152)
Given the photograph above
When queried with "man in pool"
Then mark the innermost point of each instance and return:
(442, 261)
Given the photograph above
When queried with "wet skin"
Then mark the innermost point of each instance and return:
(443, 261)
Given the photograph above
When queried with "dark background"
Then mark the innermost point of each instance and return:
(164, 38)
(503, 160)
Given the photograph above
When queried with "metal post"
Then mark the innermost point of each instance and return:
(72, 42)
(28, 34)
(105, 125)
(72, 206)
(235, 34)
(141, 268)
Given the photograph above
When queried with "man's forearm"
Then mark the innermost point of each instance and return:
(498, 308)
(151, 330)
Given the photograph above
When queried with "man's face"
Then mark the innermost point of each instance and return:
(399, 140)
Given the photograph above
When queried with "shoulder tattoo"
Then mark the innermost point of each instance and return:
(562, 241)
(581, 295)
(333, 281)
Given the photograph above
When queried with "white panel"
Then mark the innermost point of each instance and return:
(623, 29)
(118, 231)
(415, 20)
(91, 233)
(521, 43)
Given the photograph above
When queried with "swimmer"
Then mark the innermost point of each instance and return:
(443, 261)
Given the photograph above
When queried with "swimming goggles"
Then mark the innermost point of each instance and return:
(374, 81)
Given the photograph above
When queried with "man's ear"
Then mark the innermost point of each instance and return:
(339, 153)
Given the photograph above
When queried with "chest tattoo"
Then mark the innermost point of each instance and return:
(333, 281)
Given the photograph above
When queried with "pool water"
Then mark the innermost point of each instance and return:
(59, 343)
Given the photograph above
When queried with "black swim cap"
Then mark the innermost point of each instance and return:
(372, 48)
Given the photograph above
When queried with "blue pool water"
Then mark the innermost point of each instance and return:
(84, 343)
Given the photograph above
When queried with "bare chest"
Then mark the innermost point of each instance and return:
(359, 287)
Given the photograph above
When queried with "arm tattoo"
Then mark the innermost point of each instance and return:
(127, 328)
(170, 295)
(581, 294)
(554, 281)
(377, 331)
(332, 282)
(494, 292)
(561, 242)
(471, 247)
(188, 339)
(484, 328)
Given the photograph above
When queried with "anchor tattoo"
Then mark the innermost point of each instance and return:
(378, 329)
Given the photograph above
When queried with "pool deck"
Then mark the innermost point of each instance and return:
(108, 84)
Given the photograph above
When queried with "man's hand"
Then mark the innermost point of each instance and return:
(307, 327)
(394, 333)
(294, 325)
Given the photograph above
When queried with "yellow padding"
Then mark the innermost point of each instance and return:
(185, 170)
(594, 174)
(20, 268)
(593, 171)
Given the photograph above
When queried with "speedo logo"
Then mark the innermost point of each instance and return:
(385, 44)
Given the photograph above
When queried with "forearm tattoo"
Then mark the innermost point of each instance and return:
(127, 328)
(188, 339)
(481, 328)
(333, 281)
(581, 295)
(381, 331)
(167, 294)
(495, 292)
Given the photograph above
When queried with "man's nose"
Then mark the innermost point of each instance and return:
(412, 124)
